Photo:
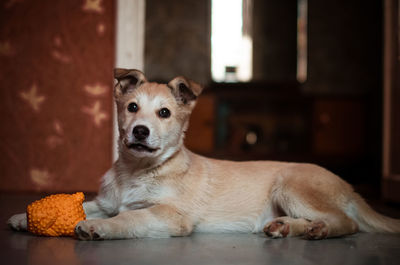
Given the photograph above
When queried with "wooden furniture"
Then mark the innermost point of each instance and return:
(270, 122)
(391, 104)
(339, 126)
(201, 133)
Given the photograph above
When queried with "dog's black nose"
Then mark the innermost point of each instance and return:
(141, 132)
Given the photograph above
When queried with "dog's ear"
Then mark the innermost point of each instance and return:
(128, 80)
(184, 90)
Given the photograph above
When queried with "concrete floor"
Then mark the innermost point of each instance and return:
(24, 248)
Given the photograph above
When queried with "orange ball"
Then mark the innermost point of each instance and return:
(56, 215)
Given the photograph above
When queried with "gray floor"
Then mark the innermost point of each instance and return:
(24, 248)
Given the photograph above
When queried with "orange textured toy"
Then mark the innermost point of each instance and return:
(56, 215)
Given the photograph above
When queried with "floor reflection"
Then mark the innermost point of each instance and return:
(23, 248)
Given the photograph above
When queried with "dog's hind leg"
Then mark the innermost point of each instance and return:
(286, 226)
(313, 202)
(330, 224)
(310, 223)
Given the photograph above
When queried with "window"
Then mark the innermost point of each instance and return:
(231, 40)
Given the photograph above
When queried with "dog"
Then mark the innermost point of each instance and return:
(158, 188)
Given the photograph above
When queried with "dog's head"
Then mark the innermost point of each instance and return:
(152, 117)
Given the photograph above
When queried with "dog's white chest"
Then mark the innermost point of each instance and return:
(143, 196)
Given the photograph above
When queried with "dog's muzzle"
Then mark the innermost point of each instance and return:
(140, 134)
(141, 147)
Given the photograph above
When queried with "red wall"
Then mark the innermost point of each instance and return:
(56, 60)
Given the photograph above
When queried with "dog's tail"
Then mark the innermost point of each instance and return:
(369, 220)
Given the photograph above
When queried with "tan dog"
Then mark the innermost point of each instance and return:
(158, 188)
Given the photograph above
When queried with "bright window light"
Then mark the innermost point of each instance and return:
(231, 50)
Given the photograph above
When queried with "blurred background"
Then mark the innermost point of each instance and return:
(299, 80)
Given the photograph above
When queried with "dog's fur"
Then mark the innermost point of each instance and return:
(158, 188)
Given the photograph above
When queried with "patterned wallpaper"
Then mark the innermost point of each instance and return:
(56, 82)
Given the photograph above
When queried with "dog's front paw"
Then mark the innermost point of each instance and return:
(316, 230)
(18, 222)
(90, 230)
(277, 228)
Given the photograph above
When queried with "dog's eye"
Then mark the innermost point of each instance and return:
(164, 113)
(133, 107)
